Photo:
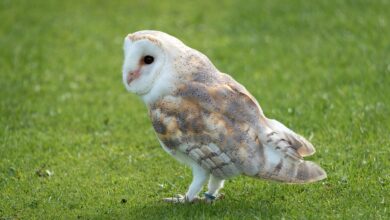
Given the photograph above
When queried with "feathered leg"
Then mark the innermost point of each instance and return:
(200, 176)
(215, 184)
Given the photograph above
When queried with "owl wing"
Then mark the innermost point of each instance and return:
(223, 129)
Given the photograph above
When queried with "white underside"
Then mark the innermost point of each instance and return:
(183, 158)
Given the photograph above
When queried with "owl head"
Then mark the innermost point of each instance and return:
(147, 54)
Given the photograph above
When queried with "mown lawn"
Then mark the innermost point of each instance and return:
(75, 144)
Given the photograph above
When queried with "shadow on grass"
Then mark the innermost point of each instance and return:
(227, 208)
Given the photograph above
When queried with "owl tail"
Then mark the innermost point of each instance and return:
(290, 171)
(283, 156)
(302, 146)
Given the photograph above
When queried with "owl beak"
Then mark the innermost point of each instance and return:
(131, 76)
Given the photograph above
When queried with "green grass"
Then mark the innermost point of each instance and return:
(320, 67)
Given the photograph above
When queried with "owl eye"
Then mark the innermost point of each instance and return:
(148, 59)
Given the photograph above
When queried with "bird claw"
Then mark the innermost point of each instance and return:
(210, 198)
(180, 199)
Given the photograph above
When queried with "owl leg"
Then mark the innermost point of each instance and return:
(215, 184)
(200, 177)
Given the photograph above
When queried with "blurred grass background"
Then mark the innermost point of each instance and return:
(75, 144)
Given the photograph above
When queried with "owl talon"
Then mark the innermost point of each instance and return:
(180, 199)
(175, 199)
(208, 198)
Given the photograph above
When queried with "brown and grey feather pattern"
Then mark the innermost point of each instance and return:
(217, 123)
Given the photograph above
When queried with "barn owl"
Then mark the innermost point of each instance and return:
(207, 120)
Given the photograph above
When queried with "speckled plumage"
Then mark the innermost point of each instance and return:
(208, 120)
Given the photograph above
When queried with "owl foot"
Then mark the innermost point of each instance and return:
(181, 199)
(208, 198)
